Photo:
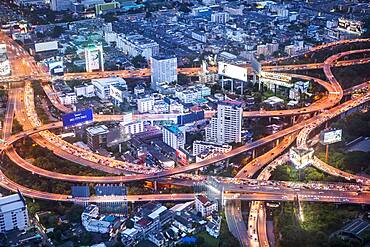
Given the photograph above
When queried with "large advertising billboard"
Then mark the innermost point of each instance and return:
(94, 60)
(46, 46)
(79, 117)
(116, 93)
(233, 71)
(330, 137)
(350, 26)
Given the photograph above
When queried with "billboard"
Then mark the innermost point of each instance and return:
(116, 93)
(330, 137)
(301, 157)
(233, 71)
(94, 60)
(79, 117)
(181, 157)
(350, 26)
(190, 117)
(46, 46)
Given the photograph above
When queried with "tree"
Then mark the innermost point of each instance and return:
(138, 61)
(57, 31)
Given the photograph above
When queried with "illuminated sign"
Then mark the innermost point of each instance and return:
(75, 118)
(181, 157)
(329, 137)
(350, 26)
(233, 71)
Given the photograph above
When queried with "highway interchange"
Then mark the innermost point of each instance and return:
(21, 105)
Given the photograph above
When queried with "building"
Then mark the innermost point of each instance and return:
(134, 45)
(97, 136)
(174, 136)
(85, 90)
(102, 86)
(226, 126)
(117, 92)
(145, 104)
(67, 98)
(60, 5)
(13, 213)
(163, 69)
(129, 126)
(94, 59)
(205, 206)
(94, 222)
(220, 17)
(193, 93)
(200, 146)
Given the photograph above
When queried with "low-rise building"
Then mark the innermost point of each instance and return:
(102, 86)
(97, 136)
(200, 146)
(204, 205)
(85, 90)
(145, 104)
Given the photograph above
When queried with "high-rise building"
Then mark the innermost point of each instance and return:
(174, 136)
(227, 125)
(13, 213)
(163, 69)
(94, 58)
(60, 5)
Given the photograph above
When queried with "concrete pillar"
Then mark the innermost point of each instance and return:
(232, 86)
(254, 78)
(222, 83)
(253, 153)
(242, 88)
(155, 185)
(277, 142)
(259, 84)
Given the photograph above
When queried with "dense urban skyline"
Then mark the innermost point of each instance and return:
(184, 123)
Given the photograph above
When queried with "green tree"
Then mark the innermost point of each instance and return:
(138, 61)
(57, 31)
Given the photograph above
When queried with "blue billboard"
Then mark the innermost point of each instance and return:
(77, 117)
(190, 117)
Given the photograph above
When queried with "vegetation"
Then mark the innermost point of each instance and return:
(17, 127)
(320, 220)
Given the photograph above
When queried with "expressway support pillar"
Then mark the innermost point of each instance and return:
(155, 185)
(326, 153)
(232, 85)
(277, 142)
(242, 88)
(222, 83)
(293, 120)
(259, 84)
(254, 78)
(253, 153)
